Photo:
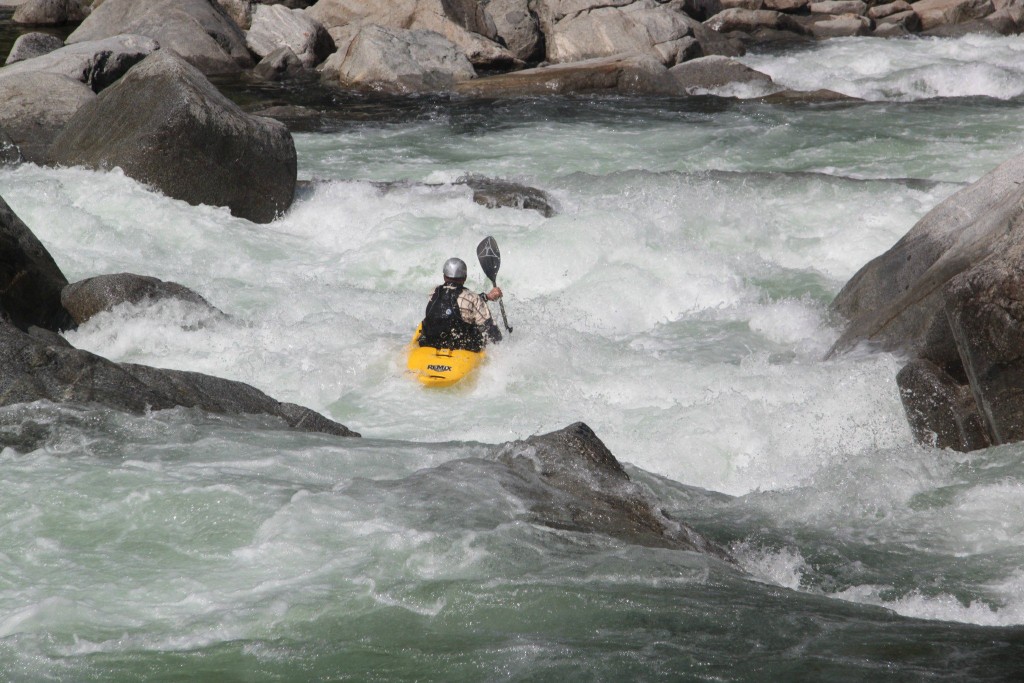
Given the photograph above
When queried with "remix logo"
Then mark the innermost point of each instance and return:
(440, 368)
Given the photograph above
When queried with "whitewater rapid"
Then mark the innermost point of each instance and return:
(677, 303)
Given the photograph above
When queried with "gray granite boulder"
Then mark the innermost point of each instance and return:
(85, 298)
(29, 45)
(574, 482)
(935, 13)
(35, 107)
(276, 26)
(752, 21)
(167, 126)
(198, 31)
(462, 22)
(96, 63)
(517, 24)
(51, 12)
(576, 30)
(374, 57)
(30, 280)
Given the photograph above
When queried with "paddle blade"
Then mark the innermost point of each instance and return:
(490, 257)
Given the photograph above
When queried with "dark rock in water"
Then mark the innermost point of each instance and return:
(30, 281)
(31, 45)
(807, 97)
(167, 126)
(586, 489)
(715, 72)
(625, 74)
(34, 369)
(941, 411)
(985, 308)
(494, 193)
(279, 65)
(86, 298)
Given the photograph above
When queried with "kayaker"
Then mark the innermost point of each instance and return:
(457, 318)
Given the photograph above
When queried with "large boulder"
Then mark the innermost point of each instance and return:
(463, 22)
(96, 63)
(85, 298)
(30, 280)
(276, 26)
(574, 482)
(167, 126)
(50, 12)
(36, 107)
(32, 368)
(935, 13)
(395, 60)
(895, 302)
(517, 24)
(198, 31)
(576, 30)
(950, 297)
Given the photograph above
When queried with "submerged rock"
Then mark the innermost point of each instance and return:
(86, 298)
(166, 125)
(586, 489)
(34, 369)
(494, 193)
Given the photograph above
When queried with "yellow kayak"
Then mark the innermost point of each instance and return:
(441, 367)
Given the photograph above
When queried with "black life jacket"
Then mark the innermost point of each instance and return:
(443, 326)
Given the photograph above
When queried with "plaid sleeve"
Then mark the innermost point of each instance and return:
(473, 308)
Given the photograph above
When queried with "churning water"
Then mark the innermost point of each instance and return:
(677, 303)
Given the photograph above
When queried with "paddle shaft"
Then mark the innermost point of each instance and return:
(501, 306)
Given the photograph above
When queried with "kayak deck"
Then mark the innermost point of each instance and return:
(441, 367)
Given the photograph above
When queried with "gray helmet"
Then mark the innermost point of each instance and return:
(455, 268)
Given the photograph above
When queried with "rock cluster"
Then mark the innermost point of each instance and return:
(38, 364)
(950, 297)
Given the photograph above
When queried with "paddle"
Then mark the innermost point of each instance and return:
(490, 260)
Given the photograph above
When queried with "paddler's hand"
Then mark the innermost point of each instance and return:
(493, 295)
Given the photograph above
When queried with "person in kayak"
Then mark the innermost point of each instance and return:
(457, 318)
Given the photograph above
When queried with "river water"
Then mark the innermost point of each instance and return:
(677, 303)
